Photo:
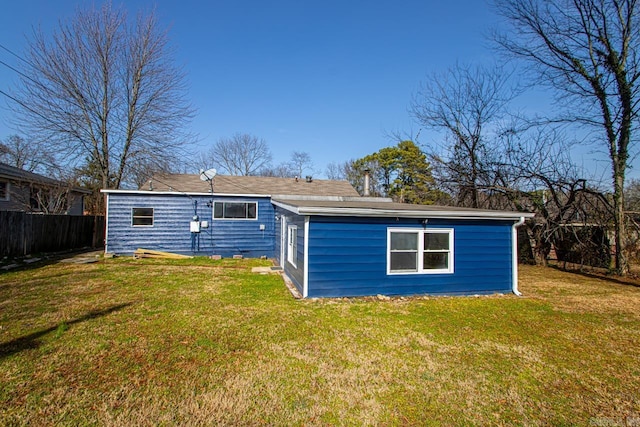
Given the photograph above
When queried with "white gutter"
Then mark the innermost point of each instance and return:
(514, 256)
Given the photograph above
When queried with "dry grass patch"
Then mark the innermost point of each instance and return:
(581, 291)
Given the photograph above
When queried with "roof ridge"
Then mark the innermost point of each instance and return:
(250, 185)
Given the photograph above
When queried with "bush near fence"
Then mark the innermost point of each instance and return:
(24, 233)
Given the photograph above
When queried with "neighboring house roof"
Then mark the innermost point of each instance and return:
(246, 185)
(12, 173)
(18, 174)
(371, 207)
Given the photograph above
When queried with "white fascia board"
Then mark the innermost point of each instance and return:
(180, 193)
(285, 206)
(406, 213)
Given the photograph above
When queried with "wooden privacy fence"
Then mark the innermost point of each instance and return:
(24, 233)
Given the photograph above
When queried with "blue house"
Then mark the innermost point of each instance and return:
(329, 241)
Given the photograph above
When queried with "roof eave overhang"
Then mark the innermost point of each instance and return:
(43, 181)
(179, 193)
(402, 213)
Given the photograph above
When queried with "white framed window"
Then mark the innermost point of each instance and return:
(4, 190)
(419, 251)
(142, 217)
(292, 245)
(235, 210)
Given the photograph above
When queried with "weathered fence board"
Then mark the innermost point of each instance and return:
(24, 233)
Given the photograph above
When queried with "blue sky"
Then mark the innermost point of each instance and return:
(331, 78)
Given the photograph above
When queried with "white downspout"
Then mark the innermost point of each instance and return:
(106, 225)
(305, 280)
(514, 256)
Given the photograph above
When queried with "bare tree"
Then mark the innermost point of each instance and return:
(31, 156)
(53, 199)
(588, 52)
(300, 161)
(338, 171)
(105, 89)
(535, 173)
(242, 154)
(467, 103)
(281, 170)
(632, 196)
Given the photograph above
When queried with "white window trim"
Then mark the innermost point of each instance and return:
(213, 211)
(283, 240)
(153, 217)
(292, 253)
(421, 232)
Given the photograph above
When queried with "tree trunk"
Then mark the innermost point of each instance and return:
(539, 246)
(621, 261)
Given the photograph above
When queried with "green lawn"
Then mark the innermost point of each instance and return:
(200, 342)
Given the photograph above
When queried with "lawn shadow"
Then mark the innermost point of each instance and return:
(594, 275)
(32, 340)
(42, 260)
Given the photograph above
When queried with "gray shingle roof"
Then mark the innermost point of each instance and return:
(271, 186)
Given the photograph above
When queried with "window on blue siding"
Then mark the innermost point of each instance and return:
(235, 210)
(420, 251)
(142, 217)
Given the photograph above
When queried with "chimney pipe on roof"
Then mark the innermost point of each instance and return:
(365, 191)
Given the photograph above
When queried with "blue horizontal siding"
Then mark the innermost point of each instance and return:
(170, 231)
(348, 257)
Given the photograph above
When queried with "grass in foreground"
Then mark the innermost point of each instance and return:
(197, 342)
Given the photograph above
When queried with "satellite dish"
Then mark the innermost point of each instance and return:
(208, 174)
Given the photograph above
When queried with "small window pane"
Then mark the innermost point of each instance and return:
(218, 210)
(404, 261)
(235, 210)
(292, 245)
(142, 221)
(142, 211)
(3, 191)
(251, 210)
(436, 241)
(435, 260)
(142, 216)
(404, 241)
